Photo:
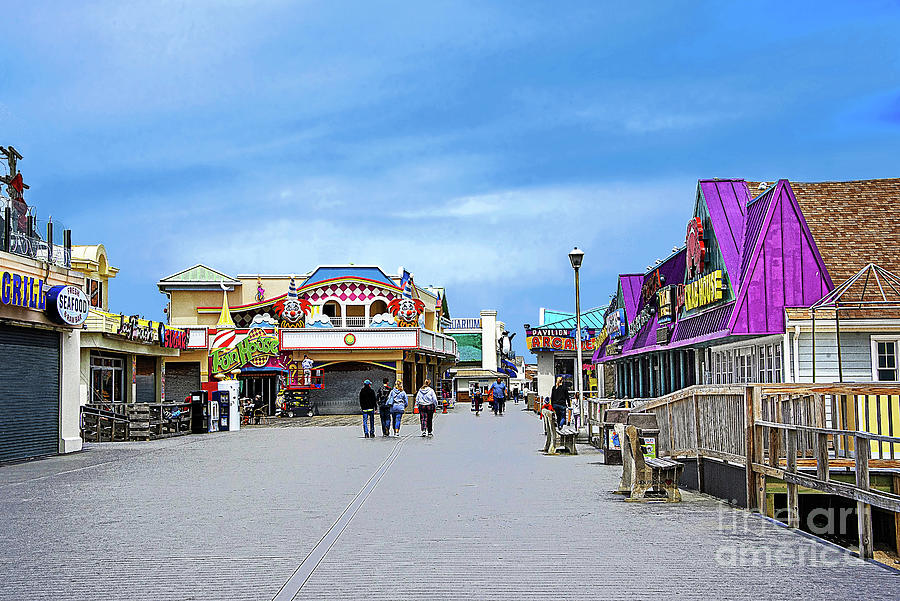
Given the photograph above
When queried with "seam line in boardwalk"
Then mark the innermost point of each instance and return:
(293, 585)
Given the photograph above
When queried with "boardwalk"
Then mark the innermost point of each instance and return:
(474, 513)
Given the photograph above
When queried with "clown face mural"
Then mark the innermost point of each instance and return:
(406, 311)
(292, 309)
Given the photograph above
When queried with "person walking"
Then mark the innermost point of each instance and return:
(549, 417)
(559, 399)
(499, 390)
(367, 403)
(426, 401)
(384, 408)
(398, 402)
(476, 401)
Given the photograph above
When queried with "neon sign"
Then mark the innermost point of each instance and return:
(703, 291)
(22, 291)
(558, 343)
(251, 350)
(696, 247)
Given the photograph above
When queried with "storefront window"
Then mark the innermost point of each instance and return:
(107, 379)
(745, 365)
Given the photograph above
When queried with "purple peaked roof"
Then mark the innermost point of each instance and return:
(772, 262)
(631, 292)
(727, 203)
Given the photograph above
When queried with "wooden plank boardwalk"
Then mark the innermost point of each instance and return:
(474, 513)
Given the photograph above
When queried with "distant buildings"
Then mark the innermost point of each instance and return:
(353, 322)
(484, 355)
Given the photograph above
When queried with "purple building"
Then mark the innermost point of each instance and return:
(729, 306)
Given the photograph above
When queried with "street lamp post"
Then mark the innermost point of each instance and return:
(575, 257)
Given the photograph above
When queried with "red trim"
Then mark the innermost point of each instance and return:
(205, 337)
(350, 278)
(270, 301)
(344, 347)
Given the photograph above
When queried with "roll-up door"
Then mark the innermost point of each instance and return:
(29, 392)
(182, 378)
(343, 382)
(145, 380)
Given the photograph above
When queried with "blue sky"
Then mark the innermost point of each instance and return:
(474, 143)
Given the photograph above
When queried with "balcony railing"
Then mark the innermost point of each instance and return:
(355, 322)
(27, 242)
(368, 338)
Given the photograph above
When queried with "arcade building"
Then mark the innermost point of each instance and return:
(732, 304)
(353, 322)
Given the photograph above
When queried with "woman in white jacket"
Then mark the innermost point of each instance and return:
(426, 401)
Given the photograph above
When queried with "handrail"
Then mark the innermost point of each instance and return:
(768, 428)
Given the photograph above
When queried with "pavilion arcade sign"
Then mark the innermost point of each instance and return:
(538, 340)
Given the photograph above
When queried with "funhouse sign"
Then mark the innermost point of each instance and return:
(254, 351)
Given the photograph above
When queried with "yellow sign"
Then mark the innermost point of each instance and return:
(703, 291)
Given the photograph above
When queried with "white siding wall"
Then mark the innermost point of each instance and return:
(545, 372)
(856, 356)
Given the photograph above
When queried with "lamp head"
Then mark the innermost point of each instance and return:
(575, 257)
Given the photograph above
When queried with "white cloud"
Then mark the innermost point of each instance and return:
(517, 236)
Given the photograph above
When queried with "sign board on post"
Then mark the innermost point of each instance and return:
(68, 305)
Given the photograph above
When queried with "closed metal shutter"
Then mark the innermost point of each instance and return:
(29, 392)
(145, 380)
(182, 379)
(343, 382)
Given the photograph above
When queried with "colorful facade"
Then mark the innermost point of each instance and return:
(723, 307)
(122, 356)
(353, 322)
(554, 345)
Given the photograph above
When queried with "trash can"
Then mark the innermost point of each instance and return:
(648, 431)
(612, 446)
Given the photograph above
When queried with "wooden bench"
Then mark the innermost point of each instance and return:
(567, 436)
(642, 475)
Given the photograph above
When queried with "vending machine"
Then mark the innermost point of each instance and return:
(221, 398)
(213, 420)
(199, 412)
(230, 414)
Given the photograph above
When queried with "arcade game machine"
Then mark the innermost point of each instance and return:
(298, 390)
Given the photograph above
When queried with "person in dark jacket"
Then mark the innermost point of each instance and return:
(367, 403)
(384, 408)
(559, 398)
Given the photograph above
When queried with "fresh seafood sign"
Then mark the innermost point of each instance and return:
(252, 350)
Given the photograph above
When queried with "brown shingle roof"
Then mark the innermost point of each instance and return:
(853, 223)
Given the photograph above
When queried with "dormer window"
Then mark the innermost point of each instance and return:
(94, 291)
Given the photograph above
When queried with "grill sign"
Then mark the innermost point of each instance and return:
(67, 305)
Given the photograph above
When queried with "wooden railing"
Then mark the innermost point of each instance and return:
(119, 422)
(99, 425)
(701, 421)
(792, 432)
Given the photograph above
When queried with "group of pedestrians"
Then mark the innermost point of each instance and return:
(496, 396)
(391, 404)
